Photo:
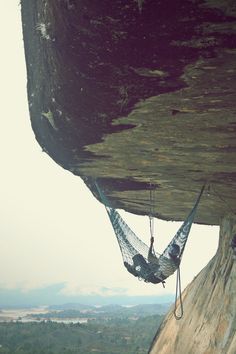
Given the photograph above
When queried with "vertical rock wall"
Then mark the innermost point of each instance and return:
(209, 322)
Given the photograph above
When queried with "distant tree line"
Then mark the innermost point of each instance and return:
(114, 336)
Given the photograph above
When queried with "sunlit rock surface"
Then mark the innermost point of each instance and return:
(209, 322)
(129, 92)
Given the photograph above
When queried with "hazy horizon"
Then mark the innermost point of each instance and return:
(51, 295)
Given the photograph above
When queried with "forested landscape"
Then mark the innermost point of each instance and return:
(116, 335)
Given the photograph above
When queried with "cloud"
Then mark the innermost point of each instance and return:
(73, 289)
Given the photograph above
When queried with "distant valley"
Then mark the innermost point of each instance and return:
(74, 313)
(80, 329)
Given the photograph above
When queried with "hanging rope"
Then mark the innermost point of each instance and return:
(178, 291)
(151, 213)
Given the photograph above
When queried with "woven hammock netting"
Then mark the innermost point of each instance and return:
(138, 259)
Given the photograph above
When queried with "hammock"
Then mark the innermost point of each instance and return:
(141, 260)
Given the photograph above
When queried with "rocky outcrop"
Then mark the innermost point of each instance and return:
(129, 92)
(209, 322)
(132, 92)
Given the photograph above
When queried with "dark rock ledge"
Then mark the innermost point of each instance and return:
(129, 92)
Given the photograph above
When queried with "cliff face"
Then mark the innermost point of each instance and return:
(133, 92)
(137, 91)
(209, 322)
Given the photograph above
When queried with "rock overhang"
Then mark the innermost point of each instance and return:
(138, 93)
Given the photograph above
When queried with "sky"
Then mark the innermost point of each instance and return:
(52, 230)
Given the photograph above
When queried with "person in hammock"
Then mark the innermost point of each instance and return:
(155, 269)
(143, 269)
(163, 267)
(173, 253)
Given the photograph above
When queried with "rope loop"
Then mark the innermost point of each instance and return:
(178, 290)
